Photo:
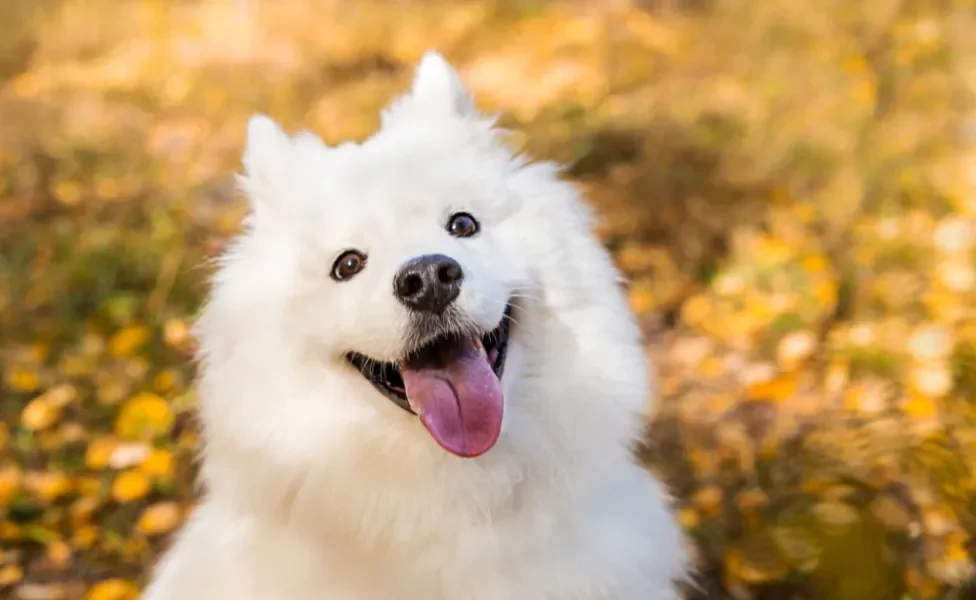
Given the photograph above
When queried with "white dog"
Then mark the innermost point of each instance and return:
(420, 380)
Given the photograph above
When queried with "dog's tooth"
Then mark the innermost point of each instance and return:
(481, 348)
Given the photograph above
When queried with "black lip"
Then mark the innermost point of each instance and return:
(385, 376)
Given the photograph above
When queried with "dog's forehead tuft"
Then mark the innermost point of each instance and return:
(403, 161)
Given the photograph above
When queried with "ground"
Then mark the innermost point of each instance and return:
(788, 187)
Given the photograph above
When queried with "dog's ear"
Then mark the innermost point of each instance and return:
(437, 90)
(265, 156)
(266, 149)
(437, 84)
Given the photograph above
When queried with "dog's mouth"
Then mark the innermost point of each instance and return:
(452, 383)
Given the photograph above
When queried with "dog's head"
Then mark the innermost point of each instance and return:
(424, 286)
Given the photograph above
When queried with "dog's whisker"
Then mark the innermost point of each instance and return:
(512, 320)
(528, 295)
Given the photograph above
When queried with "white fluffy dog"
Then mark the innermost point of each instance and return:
(420, 380)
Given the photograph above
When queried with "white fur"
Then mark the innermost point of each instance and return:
(316, 486)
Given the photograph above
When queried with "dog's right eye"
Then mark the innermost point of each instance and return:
(348, 264)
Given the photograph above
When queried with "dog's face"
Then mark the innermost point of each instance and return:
(399, 291)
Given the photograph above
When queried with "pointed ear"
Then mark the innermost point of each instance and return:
(437, 85)
(437, 90)
(266, 149)
(265, 155)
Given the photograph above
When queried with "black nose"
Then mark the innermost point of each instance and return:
(428, 283)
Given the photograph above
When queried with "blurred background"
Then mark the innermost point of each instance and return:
(789, 186)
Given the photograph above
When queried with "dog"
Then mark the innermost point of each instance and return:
(419, 379)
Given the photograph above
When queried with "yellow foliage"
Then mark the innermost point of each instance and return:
(775, 390)
(834, 513)
(10, 482)
(159, 518)
(84, 537)
(128, 339)
(696, 309)
(919, 407)
(159, 463)
(708, 499)
(82, 509)
(113, 589)
(641, 297)
(815, 263)
(688, 518)
(40, 413)
(48, 485)
(144, 416)
(67, 192)
(59, 554)
(754, 563)
(176, 333)
(99, 452)
(130, 486)
(10, 574)
(88, 486)
(23, 380)
(956, 547)
(165, 381)
(891, 513)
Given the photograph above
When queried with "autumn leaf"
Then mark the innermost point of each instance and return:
(40, 413)
(23, 379)
(58, 554)
(99, 452)
(128, 339)
(130, 486)
(159, 463)
(48, 485)
(113, 589)
(176, 333)
(11, 477)
(159, 518)
(144, 416)
(756, 561)
(9, 575)
(84, 537)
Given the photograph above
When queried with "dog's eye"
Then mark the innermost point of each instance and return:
(348, 264)
(462, 225)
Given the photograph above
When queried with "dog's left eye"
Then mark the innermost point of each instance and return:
(462, 225)
(348, 264)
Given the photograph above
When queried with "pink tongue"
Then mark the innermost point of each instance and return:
(457, 397)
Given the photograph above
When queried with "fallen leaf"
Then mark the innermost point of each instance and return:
(113, 589)
(143, 417)
(130, 486)
(159, 518)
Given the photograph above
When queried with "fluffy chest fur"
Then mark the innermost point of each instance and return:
(614, 543)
